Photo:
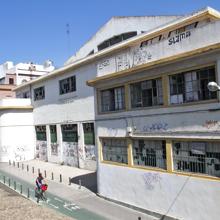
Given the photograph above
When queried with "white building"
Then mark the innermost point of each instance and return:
(63, 105)
(23, 72)
(156, 124)
(16, 130)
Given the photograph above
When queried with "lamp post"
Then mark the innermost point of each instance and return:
(213, 87)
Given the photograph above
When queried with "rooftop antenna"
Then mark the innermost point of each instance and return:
(68, 38)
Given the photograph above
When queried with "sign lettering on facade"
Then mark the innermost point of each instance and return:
(179, 37)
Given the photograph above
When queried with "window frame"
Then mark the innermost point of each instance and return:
(66, 128)
(67, 85)
(149, 154)
(90, 130)
(113, 153)
(139, 84)
(41, 132)
(198, 159)
(112, 98)
(199, 95)
(40, 90)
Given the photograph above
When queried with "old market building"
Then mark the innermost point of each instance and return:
(157, 124)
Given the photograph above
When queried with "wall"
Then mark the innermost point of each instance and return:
(17, 133)
(184, 42)
(168, 194)
(71, 108)
(183, 197)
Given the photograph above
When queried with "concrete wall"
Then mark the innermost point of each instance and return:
(168, 194)
(17, 132)
(183, 197)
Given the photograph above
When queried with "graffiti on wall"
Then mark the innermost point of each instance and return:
(15, 153)
(151, 180)
(70, 154)
(4, 150)
(54, 149)
(41, 150)
(179, 37)
(128, 59)
(19, 153)
(90, 152)
(158, 126)
(209, 124)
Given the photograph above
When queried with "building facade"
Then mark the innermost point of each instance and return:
(150, 123)
(157, 124)
(63, 105)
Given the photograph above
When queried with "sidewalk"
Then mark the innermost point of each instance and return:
(82, 197)
(87, 178)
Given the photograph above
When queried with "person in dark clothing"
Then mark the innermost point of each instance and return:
(39, 181)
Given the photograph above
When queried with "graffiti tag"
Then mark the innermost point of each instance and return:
(161, 126)
(151, 179)
(210, 124)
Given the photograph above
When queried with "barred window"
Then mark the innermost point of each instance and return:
(115, 150)
(112, 99)
(69, 132)
(197, 157)
(147, 93)
(149, 153)
(39, 93)
(192, 86)
(67, 85)
(41, 133)
(89, 135)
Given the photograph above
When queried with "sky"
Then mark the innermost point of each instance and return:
(38, 30)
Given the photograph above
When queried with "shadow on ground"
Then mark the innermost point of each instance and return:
(88, 180)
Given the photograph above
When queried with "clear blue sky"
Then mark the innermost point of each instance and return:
(35, 30)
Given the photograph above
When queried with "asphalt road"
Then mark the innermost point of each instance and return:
(27, 190)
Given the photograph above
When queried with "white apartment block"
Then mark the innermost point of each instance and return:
(23, 72)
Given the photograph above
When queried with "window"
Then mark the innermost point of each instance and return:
(197, 157)
(89, 135)
(11, 81)
(191, 86)
(67, 85)
(26, 95)
(146, 93)
(53, 140)
(41, 133)
(149, 153)
(69, 133)
(39, 93)
(90, 53)
(112, 99)
(116, 39)
(115, 150)
(53, 133)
